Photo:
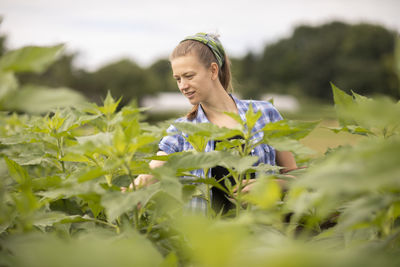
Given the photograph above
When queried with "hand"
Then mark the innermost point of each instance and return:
(140, 181)
(146, 179)
(143, 180)
(246, 186)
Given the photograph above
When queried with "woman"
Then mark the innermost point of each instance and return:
(202, 71)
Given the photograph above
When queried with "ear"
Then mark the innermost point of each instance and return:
(214, 71)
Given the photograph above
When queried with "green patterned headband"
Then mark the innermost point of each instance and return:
(213, 43)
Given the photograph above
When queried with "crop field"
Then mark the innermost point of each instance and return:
(62, 174)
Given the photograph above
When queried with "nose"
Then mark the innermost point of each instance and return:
(183, 85)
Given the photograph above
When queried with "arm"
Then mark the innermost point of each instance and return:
(286, 160)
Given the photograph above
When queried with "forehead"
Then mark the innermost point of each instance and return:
(185, 64)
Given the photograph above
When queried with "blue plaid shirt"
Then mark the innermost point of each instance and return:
(266, 154)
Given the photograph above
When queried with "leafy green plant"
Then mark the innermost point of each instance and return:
(61, 203)
(30, 98)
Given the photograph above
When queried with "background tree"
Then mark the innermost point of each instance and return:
(161, 73)
(244, 80)
(352, 56)
(61, 73)
(122, 78)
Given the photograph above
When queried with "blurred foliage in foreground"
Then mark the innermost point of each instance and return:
(61, 173)
(357, 56)
(32, 98)
(61, 204)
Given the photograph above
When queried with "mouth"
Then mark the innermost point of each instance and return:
(190, 94)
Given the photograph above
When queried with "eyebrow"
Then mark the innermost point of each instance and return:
(185, 74)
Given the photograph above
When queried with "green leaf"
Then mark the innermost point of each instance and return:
(119, 141)
(229, 144)
(208, 236)
(251, 117)
(364, 211)
(198, 142)
(342, 101)
(117, 203)
(8, 85)
(286, 144)
(72, 188)
(193, 160)
(236, 117)
(110, 106)
(99, 139)
(172, 186)
(353, 129)
(237, 163)
(94, 202)
(74, 118)
(265, 193)
(17, 172)
(44, 219)
(213, 182)
(45, 183)
(170, 261)
(30, 58)
(370, 166)
(288, 129)
(74, 157)
(141, 141)
(359, 98)
(132, 129)
(264, 168)
(208, 130)
(39, 99)
(90, 174)
(188, 191)
(377, 116)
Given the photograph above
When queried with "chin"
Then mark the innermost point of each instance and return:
(194, 102)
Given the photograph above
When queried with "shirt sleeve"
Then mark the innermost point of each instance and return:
(172, 143)
(274, 114)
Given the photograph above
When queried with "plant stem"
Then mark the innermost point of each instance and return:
(238, 180)
(130, 175)
(136, 214)
(205, 171)
(108, 224)
(61, 152)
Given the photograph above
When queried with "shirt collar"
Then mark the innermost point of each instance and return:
(241, 106)
(201, 116)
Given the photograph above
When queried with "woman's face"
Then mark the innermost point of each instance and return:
(193, 79)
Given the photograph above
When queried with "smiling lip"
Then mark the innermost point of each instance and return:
(189, 95)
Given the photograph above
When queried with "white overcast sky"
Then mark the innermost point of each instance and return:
(105, 30)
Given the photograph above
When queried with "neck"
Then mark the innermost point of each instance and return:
(219, 103)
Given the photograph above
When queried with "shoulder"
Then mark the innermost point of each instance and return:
(258, 105)
(266, 108)
(182, 119)
(172, 128)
